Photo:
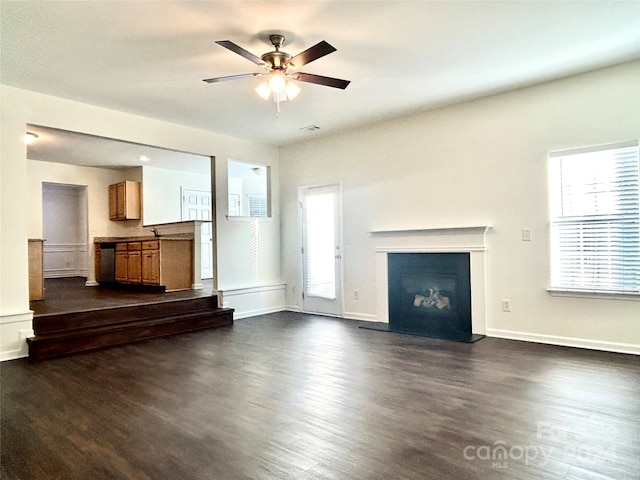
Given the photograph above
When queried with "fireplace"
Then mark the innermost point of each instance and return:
(431, 282)
(430, 294)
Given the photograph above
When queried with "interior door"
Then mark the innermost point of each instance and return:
(196, 205)
(321, 250)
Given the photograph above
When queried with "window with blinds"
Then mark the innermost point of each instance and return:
(595, 219)
(258, 205)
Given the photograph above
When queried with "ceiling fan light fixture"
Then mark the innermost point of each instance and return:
(277, 82)
(279, 97)
(279, 68)
(264, 91)
(292, 90)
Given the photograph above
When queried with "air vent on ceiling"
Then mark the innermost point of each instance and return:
(310, 128)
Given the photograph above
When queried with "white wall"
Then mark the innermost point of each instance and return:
(21, 107)
(249, 235)
(161, 190)
(478, 163)
(64, 219)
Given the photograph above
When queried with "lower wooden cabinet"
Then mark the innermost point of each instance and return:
(164, 262)
(121, 262)
(134, 266)
(36, 271)
(151, 262)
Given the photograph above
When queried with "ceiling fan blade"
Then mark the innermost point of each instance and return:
(231, 77)
(228, 44)
(320, 80)
(319, 50)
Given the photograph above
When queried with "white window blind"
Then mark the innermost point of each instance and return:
(319, 248)
(257, 205)
(595, 219)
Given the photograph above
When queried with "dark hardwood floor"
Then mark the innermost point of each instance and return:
(293, 396)
(64, 295)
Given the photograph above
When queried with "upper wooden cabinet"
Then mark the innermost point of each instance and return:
(124, 201)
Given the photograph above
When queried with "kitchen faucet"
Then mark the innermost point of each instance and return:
(155, 232)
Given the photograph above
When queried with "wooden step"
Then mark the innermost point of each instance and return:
(63, 334)
(64, 322)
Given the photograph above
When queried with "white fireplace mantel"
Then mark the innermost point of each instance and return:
(470, 240)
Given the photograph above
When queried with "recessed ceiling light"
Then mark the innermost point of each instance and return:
(144, 158)
(29, 137)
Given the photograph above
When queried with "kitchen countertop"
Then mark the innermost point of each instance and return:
(175, 236)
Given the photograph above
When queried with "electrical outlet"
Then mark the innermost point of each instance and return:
(356, 294)
(506, 305)
(526, 234)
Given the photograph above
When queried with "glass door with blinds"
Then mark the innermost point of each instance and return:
(321, 250)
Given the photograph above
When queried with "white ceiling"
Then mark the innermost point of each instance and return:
(72, 148)
(149, 57)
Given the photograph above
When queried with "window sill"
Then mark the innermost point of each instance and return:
(610, 295)
(234, 218)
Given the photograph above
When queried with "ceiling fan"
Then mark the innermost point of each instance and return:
(280, 67)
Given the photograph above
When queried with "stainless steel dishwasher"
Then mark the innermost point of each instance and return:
(107, 263)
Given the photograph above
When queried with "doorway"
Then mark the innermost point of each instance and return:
(196, 205)
(65, 228)
(321, 249)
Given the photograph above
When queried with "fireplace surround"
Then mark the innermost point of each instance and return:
(456, 282)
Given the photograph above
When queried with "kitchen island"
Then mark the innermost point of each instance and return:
(160, 262)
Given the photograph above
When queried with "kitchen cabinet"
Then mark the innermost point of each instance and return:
(134, 265)
(121, 262)
(36, 270)
(124, 201)
(128, 262)
(151, 262)
(167, 262)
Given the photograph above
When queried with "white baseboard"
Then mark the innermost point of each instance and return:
(566, 341)
(254, 313)
(15, 328)
(293, 308)
(65, 273)
(253, 300)
(13, 355)
(367, 317)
